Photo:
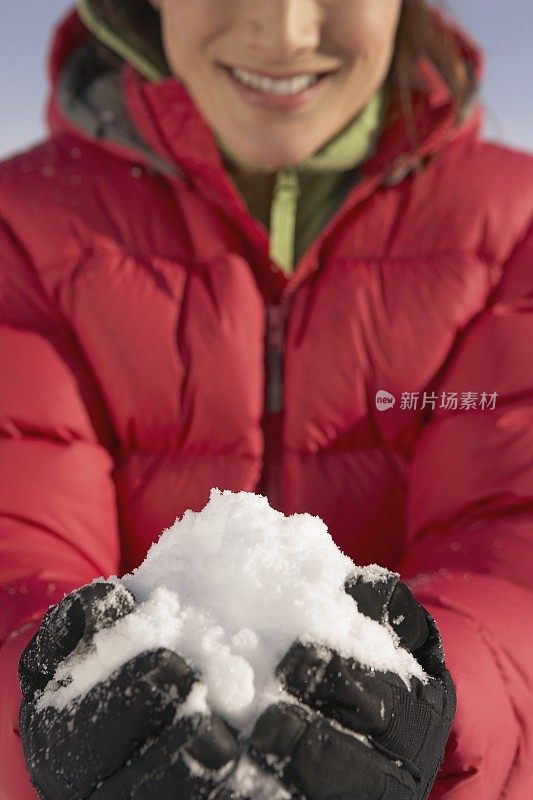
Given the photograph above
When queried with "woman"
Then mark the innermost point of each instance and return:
(312, 170)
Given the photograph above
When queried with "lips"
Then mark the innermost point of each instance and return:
(269, 91)
(268, 85)
(283, 95)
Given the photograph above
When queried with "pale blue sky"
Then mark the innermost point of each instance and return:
(504, 28)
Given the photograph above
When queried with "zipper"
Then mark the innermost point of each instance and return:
(271, 482)
(275, 341)
(282, 250)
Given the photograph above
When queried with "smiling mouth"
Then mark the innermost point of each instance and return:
(284, 85)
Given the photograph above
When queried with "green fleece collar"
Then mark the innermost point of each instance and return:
(354, 144)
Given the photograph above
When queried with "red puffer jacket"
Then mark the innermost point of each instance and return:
(135, 291)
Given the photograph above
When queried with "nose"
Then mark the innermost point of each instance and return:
(280, 30)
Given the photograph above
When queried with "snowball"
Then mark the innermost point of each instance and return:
(230, 588)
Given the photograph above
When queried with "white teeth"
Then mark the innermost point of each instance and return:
(263, 84)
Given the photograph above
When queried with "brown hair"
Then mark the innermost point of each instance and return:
(419, 35)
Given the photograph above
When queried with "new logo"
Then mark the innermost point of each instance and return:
(384, 400)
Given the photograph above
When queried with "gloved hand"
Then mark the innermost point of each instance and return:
(125, 740)
(360, 734)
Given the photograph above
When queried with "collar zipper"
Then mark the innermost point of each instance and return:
(283, 212)
(275, 338)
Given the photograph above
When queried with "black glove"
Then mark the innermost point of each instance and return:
(124, 740)
(356, 733)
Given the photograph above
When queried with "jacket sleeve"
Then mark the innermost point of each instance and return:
(58, 520)
(470, 554)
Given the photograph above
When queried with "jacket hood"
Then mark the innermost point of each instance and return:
(112, 84)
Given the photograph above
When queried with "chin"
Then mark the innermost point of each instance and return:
(277, 157)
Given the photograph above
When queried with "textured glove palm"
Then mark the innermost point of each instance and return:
(125, 740)
(358, 734)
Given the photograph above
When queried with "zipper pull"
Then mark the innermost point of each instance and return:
(275, 341)
(283, 218)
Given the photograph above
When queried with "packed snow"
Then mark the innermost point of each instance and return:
(230, 588)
